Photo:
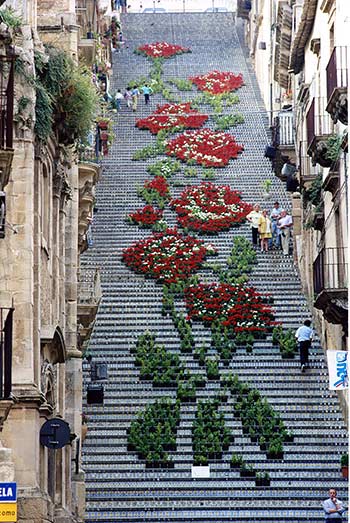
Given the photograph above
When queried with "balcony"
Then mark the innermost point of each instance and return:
(283, 141)
(307, 171)
(6, 116)
(331, 182)
(89, 172)
(89, 297)
(6, 400)
(319, 128)
(330, 271)
(337, 85)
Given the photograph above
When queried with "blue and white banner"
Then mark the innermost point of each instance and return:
(338, 369)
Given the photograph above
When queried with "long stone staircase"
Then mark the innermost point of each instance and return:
(119, 486)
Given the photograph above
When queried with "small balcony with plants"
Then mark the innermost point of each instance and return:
(283, 144)
(337, 84)
(330, 270)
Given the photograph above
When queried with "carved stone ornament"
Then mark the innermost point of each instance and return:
(48, 385)
(61, 187)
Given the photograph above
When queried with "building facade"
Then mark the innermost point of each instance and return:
(47, 303)
(300, 52)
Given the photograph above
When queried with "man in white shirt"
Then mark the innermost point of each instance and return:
(333, 508)
(275, 215)
(304, 335)
(284, 226)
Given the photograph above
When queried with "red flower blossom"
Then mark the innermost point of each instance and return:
(206, 147)
(162, 49)
(158, 184)
(216, 82)
(172, 115)
(236, 306)
(167, 256)
(146, 216)
(210, 208)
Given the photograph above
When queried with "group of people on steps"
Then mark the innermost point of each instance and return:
(130, 96)
(271, 229)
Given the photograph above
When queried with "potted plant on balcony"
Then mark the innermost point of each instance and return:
(344, 463)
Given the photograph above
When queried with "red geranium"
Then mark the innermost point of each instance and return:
(205, 147)
(236, 306)
(147, 216)
(162, 49)
(159, 185)
(172, 115)
(216, 82)
(167, 256)
(210, 208)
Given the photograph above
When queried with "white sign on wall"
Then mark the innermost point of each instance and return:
(338, 369)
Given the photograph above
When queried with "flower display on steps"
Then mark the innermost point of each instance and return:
(204, 147)
(210, 208)
(216, 82)
(169, 116)
(146, 217)
(167, 256)
(162, 50)
(237, 306)
(156, 190)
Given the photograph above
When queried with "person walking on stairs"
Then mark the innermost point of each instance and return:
(135, 93)
(304, 335)
(128, 97)
(118, 99)
(253, 217)
(333, 508)
(146, 91)
(275, 215)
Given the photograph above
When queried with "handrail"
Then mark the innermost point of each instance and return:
(330, 269)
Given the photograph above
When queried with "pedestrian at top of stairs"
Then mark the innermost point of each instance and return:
(304, 335)
(253, 217)
(333, 508)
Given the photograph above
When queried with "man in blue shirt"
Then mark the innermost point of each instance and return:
(333, 508)
(304, 336)
(146, 90)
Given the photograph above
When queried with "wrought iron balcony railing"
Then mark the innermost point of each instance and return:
(318, 121)
(331, 270)
(6, 321)
(337, 70)
(89, 286)
(284, 129)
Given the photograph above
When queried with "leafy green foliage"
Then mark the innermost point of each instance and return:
(210, 436)
(226, 121)
(166, 168)
(313, 194)
(9, 17)
(43, 113)
(154, 431)
(181, 84)
(286, 341)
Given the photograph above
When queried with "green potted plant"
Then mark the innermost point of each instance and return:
(267, 187)
(262, 479)
(344, 463)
